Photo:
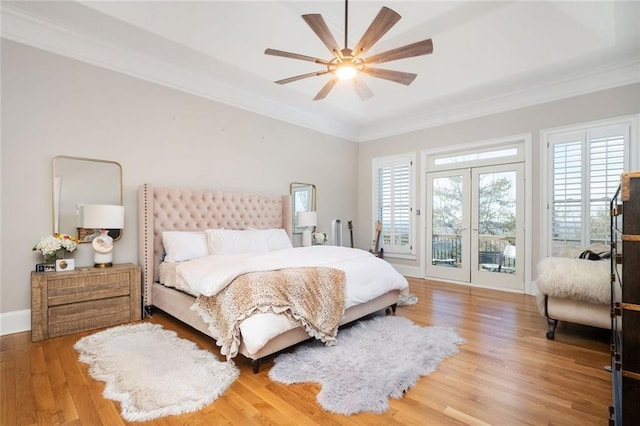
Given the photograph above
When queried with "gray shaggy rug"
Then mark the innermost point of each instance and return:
(372, 361)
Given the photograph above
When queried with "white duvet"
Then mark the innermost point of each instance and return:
(367, 277)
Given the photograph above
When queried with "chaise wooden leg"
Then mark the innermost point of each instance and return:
(551, 324)
(255, 365)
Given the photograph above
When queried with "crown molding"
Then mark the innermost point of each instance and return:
(34, 31)
(497, 100)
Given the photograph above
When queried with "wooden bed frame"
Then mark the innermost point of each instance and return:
(177, 209)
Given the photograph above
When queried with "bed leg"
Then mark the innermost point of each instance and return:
(255, 364)
(392, 309)
(148, 311)
(551, 324)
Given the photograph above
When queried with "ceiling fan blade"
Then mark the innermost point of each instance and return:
(384, 20)
(362, 89)
(317, 24)
(424, 47)
(300, 77)
(326, 89)
(405, 78)
(282, 53)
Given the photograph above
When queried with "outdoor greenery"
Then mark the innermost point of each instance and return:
(496, 205)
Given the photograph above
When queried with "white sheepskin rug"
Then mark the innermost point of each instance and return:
(372, 361)
(152, 372)
(578, 279)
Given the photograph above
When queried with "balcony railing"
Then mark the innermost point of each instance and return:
(447, 249)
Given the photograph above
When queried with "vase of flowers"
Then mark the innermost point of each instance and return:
(55, 246)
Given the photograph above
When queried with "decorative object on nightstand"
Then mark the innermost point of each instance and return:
(307, 220)
(103, 217)
(53, 249)
(65, 265)
(68, 302)
(319, 238)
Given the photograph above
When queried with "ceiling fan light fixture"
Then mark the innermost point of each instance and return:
(347, 67)
(346, 71)
(348, 64)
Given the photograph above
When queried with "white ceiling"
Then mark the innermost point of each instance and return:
(489, 56)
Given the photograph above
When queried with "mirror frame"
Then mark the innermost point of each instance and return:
(295, 187)
(116, 234)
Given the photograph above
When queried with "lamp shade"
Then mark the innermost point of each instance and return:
(307, 218)
(103, 216)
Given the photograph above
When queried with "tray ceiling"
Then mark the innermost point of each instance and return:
(489, 56)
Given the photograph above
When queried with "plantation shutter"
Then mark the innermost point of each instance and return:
(393, 203)
(586, 168)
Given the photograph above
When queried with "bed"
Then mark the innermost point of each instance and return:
(163, 209)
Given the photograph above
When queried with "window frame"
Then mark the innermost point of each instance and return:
(551, 137)
(377, 163)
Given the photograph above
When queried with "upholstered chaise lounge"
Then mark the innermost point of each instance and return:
(574, 290)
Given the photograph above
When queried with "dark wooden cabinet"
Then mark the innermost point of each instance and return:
(625, 315)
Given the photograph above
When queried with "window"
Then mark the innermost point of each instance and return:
(585, 168)
(393, 202)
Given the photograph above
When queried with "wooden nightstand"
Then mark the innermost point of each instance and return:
(87, 298)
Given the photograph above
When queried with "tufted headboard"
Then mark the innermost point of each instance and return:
(179, 209)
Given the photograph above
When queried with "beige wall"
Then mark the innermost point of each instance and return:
(621, 101)
(52, 106)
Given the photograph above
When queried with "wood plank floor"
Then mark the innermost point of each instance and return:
(506, 374)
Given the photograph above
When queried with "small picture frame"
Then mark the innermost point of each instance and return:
(45, 267)
(65, 265)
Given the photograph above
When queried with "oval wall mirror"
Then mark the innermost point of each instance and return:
(303, 199)
(78, 182)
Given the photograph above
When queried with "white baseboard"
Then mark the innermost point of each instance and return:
(15, 322)
(409, 271)
(534, 288)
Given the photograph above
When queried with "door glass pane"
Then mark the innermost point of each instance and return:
(497, 221)
(447, 222)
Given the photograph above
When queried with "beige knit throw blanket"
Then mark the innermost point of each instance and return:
(312, 297)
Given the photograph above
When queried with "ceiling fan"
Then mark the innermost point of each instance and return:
(350, 63)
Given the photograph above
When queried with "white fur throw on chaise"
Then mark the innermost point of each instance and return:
(577, 279)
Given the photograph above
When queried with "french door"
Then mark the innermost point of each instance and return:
(475, 225)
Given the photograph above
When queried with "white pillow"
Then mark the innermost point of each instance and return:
(227, 241)
(276, 238)
(184, 245)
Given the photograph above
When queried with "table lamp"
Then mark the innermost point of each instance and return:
(103, 217)
(307, 220)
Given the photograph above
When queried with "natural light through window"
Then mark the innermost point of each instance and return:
(484, 155)
(585, 172)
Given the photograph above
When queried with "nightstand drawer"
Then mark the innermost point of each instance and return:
(65, 319)
(74, 289)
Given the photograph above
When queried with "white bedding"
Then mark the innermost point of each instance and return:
(367, 277)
